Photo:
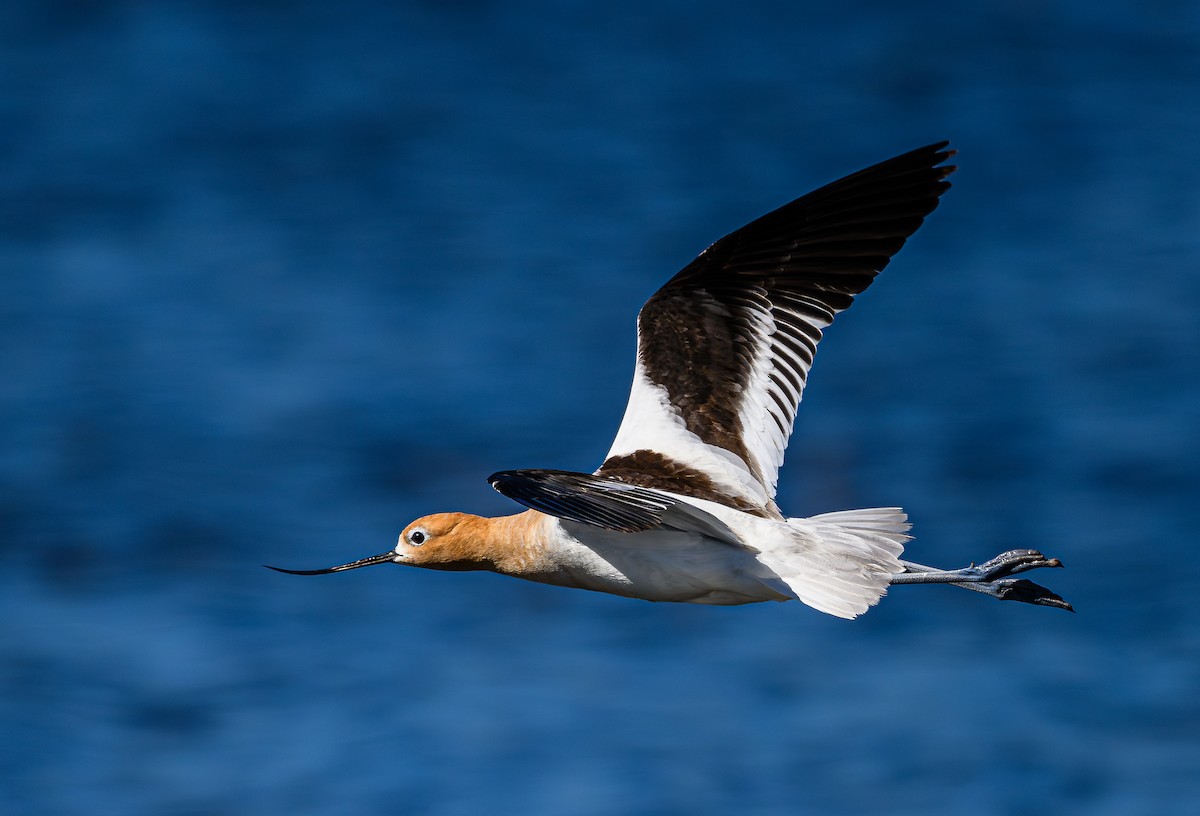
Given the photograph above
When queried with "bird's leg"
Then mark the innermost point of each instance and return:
(1002, 566)
(992, 578)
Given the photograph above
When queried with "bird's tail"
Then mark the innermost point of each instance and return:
(841, 563)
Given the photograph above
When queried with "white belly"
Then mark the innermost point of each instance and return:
(658, 565)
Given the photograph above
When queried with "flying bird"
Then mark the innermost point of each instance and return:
(683, 506)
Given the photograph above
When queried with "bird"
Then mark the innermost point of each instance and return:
(682, 508)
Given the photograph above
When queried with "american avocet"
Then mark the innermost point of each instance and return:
(683, 507)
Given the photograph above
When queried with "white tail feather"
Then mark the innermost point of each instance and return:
(890, 522)
(841, 563)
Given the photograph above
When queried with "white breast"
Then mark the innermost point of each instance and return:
(657, 565)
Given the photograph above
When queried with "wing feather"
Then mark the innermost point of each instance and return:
(605, 502)
(725, 347)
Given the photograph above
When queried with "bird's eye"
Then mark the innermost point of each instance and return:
(417, 537)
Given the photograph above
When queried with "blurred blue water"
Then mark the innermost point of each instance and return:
(279, 281)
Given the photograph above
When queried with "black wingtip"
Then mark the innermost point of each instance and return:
(942, 147)
(928, 157)
(584, 498)
(944, 152)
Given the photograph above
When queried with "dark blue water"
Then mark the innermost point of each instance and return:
(277, 281)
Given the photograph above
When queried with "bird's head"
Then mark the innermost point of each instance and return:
(448, 541)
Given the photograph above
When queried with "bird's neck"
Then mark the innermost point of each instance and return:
(513, 545)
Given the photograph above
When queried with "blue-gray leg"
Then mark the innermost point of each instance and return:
(992, 578)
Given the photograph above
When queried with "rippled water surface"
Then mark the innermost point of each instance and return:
(278, 281)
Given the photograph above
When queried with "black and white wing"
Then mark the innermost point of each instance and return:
(725, 347)
(606, 503)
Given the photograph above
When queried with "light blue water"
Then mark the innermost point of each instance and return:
(277, 282)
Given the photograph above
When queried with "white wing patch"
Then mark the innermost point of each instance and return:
(652, 422)
(785, 342)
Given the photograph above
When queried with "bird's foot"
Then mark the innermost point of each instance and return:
(1020, 589)
(1012, 562)
(993, 577)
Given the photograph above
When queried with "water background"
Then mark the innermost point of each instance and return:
(278, 279)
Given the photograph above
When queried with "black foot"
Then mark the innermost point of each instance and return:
(1020, 589)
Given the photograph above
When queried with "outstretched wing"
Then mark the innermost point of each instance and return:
(602, 502)
(724, 348)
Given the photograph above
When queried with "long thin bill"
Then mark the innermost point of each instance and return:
(382, 558)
